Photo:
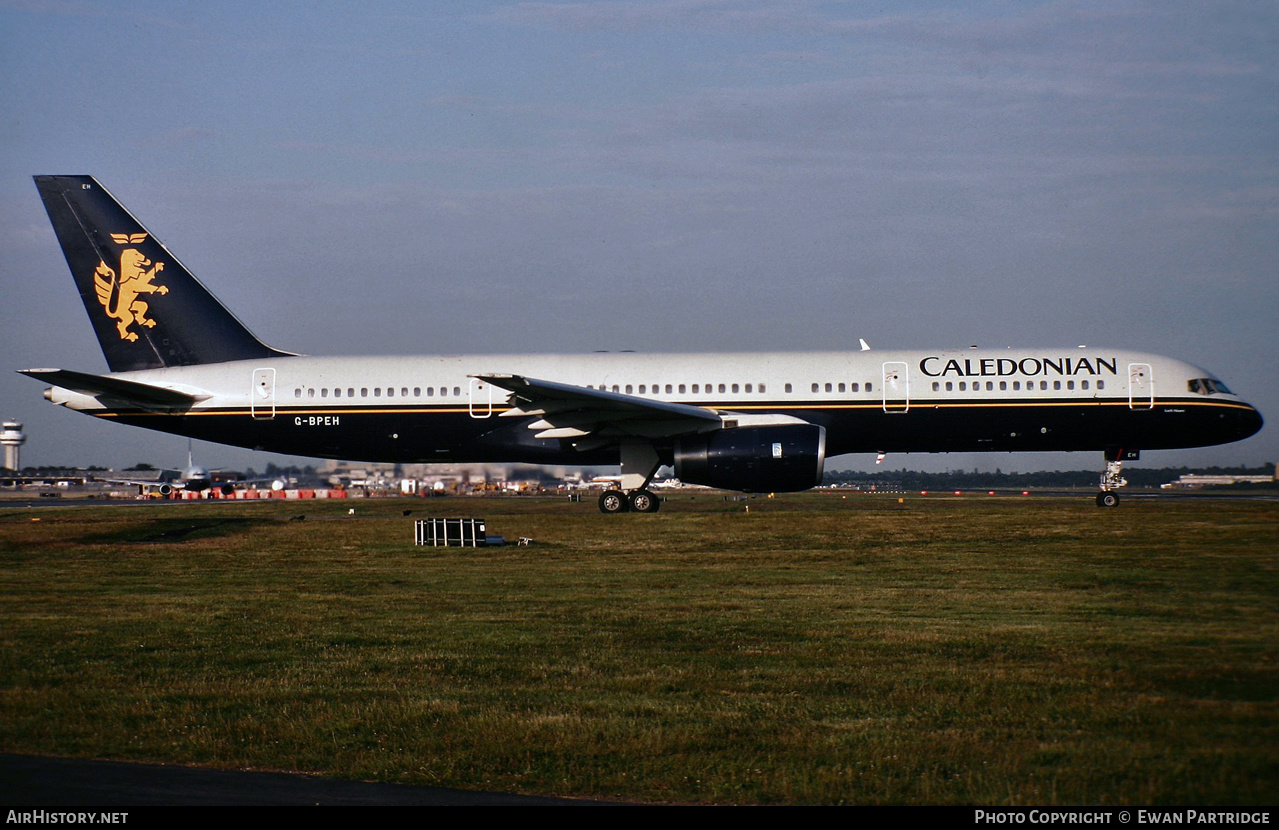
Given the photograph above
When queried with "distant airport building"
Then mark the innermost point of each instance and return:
(1196, 480)
(12, 437)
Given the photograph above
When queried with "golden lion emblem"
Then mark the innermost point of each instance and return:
(119, 297)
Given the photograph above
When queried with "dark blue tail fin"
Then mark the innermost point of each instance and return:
(147, 309)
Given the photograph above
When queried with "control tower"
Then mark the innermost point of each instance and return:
(11, 437)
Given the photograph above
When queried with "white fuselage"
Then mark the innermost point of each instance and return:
(434, 408)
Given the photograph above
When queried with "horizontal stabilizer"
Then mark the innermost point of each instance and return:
(141, 395)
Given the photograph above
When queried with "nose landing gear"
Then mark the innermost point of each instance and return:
(1112, 479)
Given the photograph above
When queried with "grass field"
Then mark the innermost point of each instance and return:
(817, 649)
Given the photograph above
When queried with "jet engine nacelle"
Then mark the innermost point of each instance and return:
(764, 459)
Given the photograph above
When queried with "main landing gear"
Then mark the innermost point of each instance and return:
(1112, 479)
(637, 501)
(640, 463)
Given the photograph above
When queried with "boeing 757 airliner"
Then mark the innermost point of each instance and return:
(180, 362)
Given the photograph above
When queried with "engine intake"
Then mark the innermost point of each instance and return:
(766, 459)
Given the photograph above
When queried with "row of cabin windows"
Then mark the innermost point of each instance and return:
(629, 389)
(697, 388)
(839, 387)
(723, 388)
(377, 391)
(1003, 385)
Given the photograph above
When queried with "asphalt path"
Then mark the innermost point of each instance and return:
(35, 781)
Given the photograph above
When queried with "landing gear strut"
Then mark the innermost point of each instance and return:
(1112, 479)
(640, 462)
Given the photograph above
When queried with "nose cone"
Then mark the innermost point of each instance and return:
(1249, 423)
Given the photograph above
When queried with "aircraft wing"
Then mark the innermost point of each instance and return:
(598, 417)
(130, 392)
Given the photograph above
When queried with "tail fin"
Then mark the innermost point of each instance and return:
(147, 309)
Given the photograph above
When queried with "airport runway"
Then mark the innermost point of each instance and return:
(34, 781)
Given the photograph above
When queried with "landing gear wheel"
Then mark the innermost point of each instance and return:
(1107, 499)
(613, 501)
(643, 501)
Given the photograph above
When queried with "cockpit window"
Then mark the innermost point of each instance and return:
(1209, 386)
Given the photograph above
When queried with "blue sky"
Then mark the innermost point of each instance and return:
(384, 177)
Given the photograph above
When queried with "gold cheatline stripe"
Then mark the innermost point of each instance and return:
(929, 403)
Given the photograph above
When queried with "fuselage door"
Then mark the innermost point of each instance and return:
(1141, 386)
(262, 395)
(896, 387)
(480, 401)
